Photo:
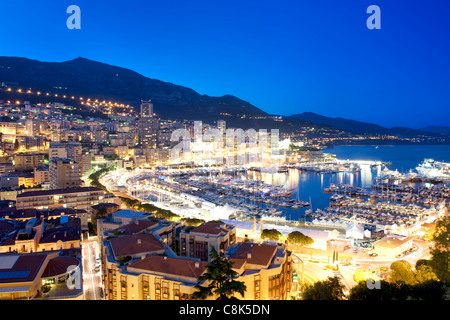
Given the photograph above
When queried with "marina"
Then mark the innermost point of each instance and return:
(243, 194)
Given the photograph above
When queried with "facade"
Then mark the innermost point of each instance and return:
(76, 198)
(392, 246)
(6, 168)
(32, 127)
(147, 129)
(70, 150)
(28, 161)
(39, 235)
(64, 173)
(22, 275)
(196, 243)
(41, 174)
(8, 128)
(86, 162)
(146, 109)
(155, 278)
(265, 269)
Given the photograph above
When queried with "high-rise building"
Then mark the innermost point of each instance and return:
(222, 125)
(70, 150)
(28, 161)
(32, 127)
(148, 132)
(64, 173)
(146, 109)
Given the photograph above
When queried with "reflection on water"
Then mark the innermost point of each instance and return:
(308, 186)
(366, 176)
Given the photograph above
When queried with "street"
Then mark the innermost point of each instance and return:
(92, 280)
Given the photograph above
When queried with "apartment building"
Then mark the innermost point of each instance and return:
(64, 173)
(266, 270)
(76, 198)
(197, 242)
(39, 234)
(22, 275)
(41, 174)
(70, 150)
(28, 161)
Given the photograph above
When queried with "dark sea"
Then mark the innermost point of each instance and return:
(308, 186)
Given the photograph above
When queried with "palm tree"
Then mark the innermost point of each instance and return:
(219, 277)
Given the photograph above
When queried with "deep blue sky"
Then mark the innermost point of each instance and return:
(284, 57)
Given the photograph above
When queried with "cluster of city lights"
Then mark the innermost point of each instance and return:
(106, 106)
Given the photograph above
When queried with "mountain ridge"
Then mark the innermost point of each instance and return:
(82, 76)
(359, 127)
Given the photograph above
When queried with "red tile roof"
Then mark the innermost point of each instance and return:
(255, 253)
(5, 226)
(63, 235)
(210, 228)
(129, 245)
(59, 266)
(171, 266)
(135, 227)
(30, 262)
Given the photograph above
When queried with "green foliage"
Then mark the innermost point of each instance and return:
(425, 273)
(218, 280)
(329, 289)
(422, 262)
(46, 288)
(271, 234)
(16, 145)
(293, 147)
(362, 292)
(147, 207)
(440, 260)
(345, 258)
(362, 275)
(298, 238)
(101, 212)
(401, 272)
(94, 178)
(192, 221)
(430, 290)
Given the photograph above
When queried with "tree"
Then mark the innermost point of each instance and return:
(271, 234)
(329, 289)
(429, 290)
(298, 238)
(425, 273)
(219, 280)
(362, 292)
(440, 260)
(362, 275)
(401, 272)
(102, 212)
(345, 258)
(192, 221)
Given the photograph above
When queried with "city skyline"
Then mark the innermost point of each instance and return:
(283, 59)
(238, 150)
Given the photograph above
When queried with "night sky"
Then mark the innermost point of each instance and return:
(284, 57)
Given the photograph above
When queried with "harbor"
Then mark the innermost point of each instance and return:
(244, 194)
